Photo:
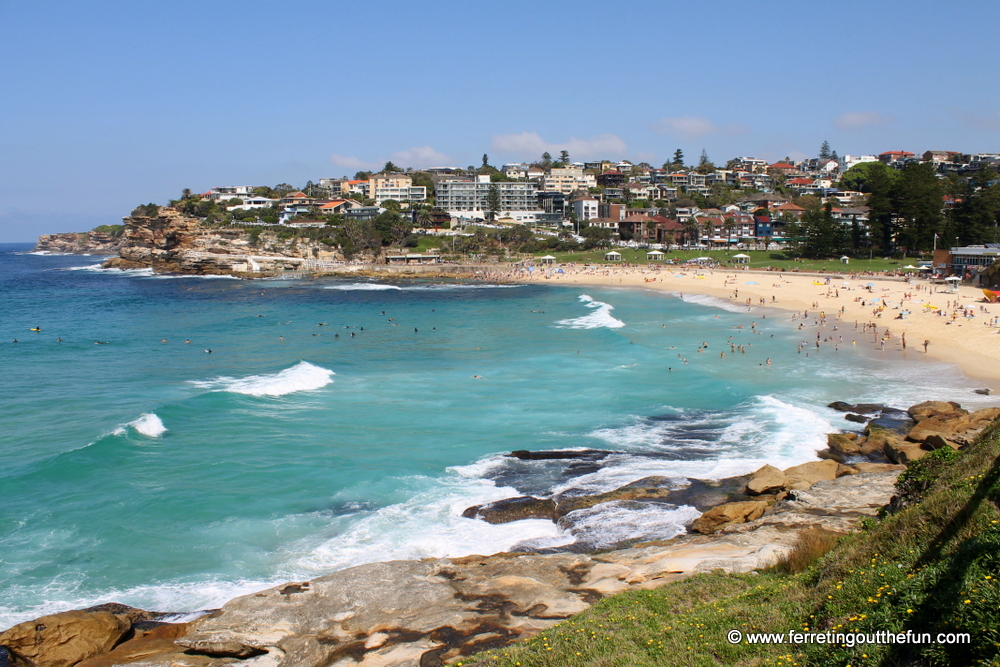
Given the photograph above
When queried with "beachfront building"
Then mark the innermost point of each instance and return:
(470, 199)
(398, 187)
(568, 180)
(586, 208)
(968, 262)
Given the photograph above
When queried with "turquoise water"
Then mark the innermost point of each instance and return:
(160, 475)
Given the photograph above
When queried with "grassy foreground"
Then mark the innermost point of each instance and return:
(931, 567)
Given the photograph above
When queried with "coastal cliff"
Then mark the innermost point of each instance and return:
(170, 242)
(95, 241)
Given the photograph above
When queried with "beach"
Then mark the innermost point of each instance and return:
(959, 328)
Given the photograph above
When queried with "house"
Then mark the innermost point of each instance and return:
(296, 200)
(567, 180)
(615, 211)
(229, 192)
(517, 170)
(253, 202)
(337, 206)
(668, 231)
(891, 157)
(782, 168)
(611, 179)
(790, 209)
(639, 191)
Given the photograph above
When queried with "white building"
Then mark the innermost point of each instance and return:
(585, 208)
(229, 192)
(398, 187)
(469, 199)
(851, 160)
(253, 202)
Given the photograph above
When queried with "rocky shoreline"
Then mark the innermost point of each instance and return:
(433, 611)
(78, 243)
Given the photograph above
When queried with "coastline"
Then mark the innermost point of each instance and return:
(965, 342)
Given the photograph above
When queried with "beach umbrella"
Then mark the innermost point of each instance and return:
(910, 266)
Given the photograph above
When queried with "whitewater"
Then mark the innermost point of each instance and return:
(337, 422)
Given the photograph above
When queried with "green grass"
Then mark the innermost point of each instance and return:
(758, 259)
(932, 567)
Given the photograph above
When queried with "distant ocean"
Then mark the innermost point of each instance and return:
(337, 422)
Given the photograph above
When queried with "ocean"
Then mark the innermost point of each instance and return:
(191, 439)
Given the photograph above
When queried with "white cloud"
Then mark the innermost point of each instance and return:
(349, 162)
(692, 127)
(531, 145)
(420, 156)
(857, 120)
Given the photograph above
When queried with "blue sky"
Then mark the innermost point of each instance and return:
(107, 105)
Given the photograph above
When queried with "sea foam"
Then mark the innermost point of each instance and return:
(598, 318)
(148, 424)
(303, 376)
(363, 287)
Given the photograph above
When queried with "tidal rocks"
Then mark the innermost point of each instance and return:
(864, 408)
(92, 242)
(559, 454)
(513, 509)
(767, 480)
(65, 639)
(728, 514)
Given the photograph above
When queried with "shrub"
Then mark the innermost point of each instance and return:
(811, 545)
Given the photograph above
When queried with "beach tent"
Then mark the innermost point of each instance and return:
(548, 259)
(845, 259)
(654, 255)
(613, 256)
(952, 283)
(741, 258)
(910, 267)
(702, 259)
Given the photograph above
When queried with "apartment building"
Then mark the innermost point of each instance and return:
(469, 199)
(398, 187)
(568, 180)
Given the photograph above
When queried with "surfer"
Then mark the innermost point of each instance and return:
(36, 329)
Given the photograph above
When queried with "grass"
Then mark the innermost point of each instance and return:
(933, 566)
(758, 259)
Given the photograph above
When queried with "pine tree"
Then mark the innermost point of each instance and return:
(564, 157)
(824, 151)
(486, 160)
(678, 159)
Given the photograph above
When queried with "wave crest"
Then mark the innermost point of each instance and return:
(600, 317)
(303, 376)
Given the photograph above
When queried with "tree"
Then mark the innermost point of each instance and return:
(824, 151)
(822, 236)
(392, 205)
(705, 166)
(493, 202)
(390, 168)
(360, 235)
(917, 200)
(678, 161)
(486, 160)
(596, 237)
(975, 217)
(859, 177)
(546, 161)
(186, 193)
(564, 156)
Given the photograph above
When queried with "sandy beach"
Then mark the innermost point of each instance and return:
(890, 315)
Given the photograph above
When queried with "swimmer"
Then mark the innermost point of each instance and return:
(321, 324)
(164, 340)
(188, 340)
(477, 377)
(37, 329)
(58, 340)
(208, 351)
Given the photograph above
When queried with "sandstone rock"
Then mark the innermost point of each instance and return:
(878, 467)
(873, 446)
(844, 444)
(859, 419)
(767, 479)
(513, 509)
(922, 411)
(892, 421)
(900, 451)
(728, 514)
(864, 408)
(936, 441)
(983, 418)
(945, 426)
(812, 472)
(157, 641)
(63, 640)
